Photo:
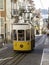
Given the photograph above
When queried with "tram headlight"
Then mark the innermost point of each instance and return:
(21, 46)
(28, 43)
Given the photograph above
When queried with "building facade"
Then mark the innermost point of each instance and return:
(12, 8)
(9, 20)
(8, 13)
(2, 16)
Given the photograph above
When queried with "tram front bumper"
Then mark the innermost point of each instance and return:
(22, 45)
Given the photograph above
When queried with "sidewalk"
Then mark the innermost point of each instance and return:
(46, 44)
(45, 57)
(39, 35)
(5, 46)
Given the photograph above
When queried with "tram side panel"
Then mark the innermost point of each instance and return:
(32, 39)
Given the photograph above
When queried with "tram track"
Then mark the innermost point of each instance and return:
(15, 60)
(5, 61)
(19, 59)
(6, 54)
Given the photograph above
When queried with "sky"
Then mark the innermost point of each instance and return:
(43, 4)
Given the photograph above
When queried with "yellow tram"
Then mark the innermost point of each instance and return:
(23, 37)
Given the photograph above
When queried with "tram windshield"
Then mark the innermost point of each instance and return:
(21, 35)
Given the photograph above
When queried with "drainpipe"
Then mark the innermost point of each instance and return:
(5, 33)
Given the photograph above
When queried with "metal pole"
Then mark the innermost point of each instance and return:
(5, 33)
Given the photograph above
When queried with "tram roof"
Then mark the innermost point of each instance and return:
(20, 24)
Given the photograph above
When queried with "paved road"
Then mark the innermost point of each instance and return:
(45, 54)
(9, 57)
(34, 58)
(38, 37)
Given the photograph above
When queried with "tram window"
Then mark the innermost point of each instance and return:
(32, 34)
(14, 35)
(21, 35)
(27, 34)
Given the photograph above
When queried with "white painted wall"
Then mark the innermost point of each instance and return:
(9, 21)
